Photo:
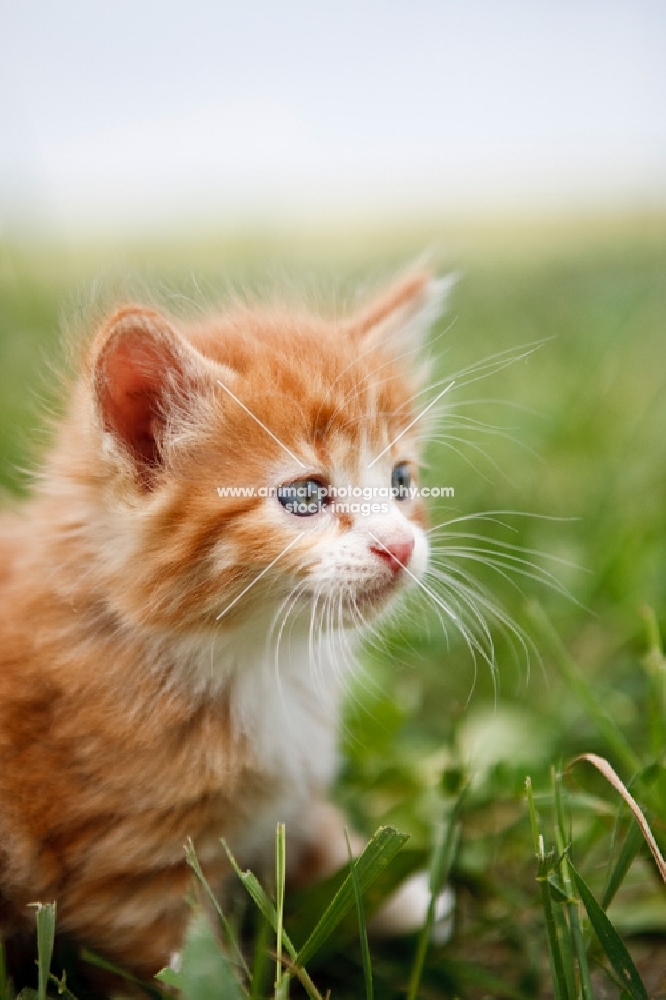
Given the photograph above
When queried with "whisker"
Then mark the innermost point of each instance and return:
(461, 581)
(461, 423)
(479, 449)
(525, 550)
(488, 366)
(289, 601)
(493, 515)
(470, 639)
(468, 461)
(507, 561)
(314, 656)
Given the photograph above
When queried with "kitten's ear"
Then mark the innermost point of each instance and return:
(402, 317)
(140, 368)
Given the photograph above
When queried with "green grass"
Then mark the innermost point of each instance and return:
(585, 425)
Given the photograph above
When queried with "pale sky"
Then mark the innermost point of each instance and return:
(132, 113)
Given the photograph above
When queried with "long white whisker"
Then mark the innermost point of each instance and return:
(465, 423)
(290, 601)
(446, 438)
(461, 581)
(525, 550)
(492, 515)
(471, 640)
(491, 365)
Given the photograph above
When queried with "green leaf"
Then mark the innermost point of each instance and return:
(610, 941)
(170, 977)
(363, 930)
(556, 890)
(630, 848)
(206, 971)
(378, 853)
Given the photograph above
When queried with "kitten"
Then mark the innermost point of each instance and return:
(173, 659)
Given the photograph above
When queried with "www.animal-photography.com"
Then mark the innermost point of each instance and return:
(332, 520)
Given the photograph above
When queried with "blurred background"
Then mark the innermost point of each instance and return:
(193, 147)
(130, 117)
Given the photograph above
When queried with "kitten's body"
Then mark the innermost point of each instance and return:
(131, 718)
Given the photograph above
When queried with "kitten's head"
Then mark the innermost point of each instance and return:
(233, 465)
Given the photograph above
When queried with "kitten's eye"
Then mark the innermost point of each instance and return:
(303, 497)
(401, 480)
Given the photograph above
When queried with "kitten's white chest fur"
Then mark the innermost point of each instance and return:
(289, 710)
(284, 699)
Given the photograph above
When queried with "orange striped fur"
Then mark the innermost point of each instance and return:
(130, 717)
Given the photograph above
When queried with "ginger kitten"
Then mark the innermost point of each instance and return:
(150, 688)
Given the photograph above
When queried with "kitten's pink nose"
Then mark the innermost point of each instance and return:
(396, 554)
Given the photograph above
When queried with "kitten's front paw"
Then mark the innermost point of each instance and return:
(405, 911)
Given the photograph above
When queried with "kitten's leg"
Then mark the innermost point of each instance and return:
(405, 911)
(137, 921)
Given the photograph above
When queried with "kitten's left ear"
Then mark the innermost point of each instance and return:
(403, 316)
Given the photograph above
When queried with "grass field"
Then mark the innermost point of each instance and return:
(573, 436)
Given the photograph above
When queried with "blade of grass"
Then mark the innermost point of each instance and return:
(610, 941)
(280, 877)
(103, 963)
(306, 905)
(259, 896)
(377, 854)
(630, 848)
(193, 862)
(655, 666)
(563, 838)
(563, 931)
(46, 918)
(267, 909)
(362, 929)
(260, 964)
(440, 867)
(613, 778)
(554, 950)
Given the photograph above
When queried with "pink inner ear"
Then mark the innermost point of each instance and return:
(136, 369)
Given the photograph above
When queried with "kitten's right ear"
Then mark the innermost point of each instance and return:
(140, 368)
(402, 316)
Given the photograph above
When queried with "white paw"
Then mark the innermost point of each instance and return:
(405, 911)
